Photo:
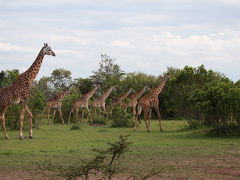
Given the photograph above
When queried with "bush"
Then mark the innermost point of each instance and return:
(219, 105)
(99, 119)
(121, 118)
(75, 127)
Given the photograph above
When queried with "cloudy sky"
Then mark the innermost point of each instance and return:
(143, 35)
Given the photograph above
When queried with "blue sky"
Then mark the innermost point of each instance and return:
(143, 35)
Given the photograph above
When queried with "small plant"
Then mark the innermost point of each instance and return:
(121, 118)
(75, 127)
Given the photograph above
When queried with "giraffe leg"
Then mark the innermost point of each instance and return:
(48, 113)
(54, 113)
(145, 111)
(69, 118)
(3, 122)
(89, 114)
(76, 111)
(159, 117)
(22, 113)
(30, 115)
(134, 117)
(60, 113)
(149, 117)
(82, 120)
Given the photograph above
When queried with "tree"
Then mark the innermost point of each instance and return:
(108, 73)
(61, 79)
(7, 77)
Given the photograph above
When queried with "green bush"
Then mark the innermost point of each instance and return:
(75, 127)
(121, 118)
(218, 104)
(99, 119)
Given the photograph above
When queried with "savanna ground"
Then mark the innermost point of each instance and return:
(182, 154)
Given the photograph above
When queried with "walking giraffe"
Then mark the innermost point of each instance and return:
(82, 102)
(133, 103)
(118, 100)
(56, 104)
(18, 92)
(100, 102)
(151, 101)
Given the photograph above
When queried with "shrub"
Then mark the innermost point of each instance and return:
(121, 118)
(75, 127)
(99, 119)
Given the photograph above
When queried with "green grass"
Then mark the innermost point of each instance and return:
(171, 147)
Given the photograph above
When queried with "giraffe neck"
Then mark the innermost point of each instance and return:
(106, 94)
(140, 93)
(125, 95)
(90, 94)
(64, 94)
(160, 87)
(32, 72)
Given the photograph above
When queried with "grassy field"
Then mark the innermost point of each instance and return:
(183, 154)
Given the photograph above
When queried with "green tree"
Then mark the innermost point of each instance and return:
(7, 77)
(108, 74)
(61, 79)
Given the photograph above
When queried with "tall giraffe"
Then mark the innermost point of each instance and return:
(56, 103)
(100, 102)
(118, 100)
(133, 103)
(18, 92)
(151, 101)
(82, 102)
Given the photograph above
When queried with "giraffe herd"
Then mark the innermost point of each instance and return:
(18, 93)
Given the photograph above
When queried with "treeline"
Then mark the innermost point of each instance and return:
(202, 97)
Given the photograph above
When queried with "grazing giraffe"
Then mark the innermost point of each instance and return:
(118, 100)
(150, 101)
(56, 103)
(100, 102)
(133, 103)
(82, 102)
(18, 92)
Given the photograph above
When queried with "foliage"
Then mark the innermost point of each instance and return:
(219, 104)
(75, 127)
(99, 118)
(121, 118)
(61, 78)
(7, 77)
(108, 74)
(106, 163)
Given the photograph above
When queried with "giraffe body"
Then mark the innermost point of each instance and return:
(56, 104)
(133, 103)
(151, 101)
(83, 103)
(18, 92)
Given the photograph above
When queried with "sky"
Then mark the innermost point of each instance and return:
(142, 35)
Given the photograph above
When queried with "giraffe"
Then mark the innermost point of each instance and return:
(18, 92)
(133, 103)
(82, 102)
(100, 101)
(56, 103)
(118, 100)
(151, 101)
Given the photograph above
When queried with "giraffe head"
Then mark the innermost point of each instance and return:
(47, 50)
(113, 88)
